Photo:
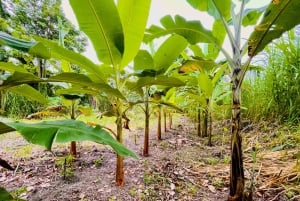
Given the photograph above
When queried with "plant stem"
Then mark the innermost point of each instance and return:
(159, 123)
(165, 121)
(199, 122)
(237, 178)
(73, 151)
(120, 166)
(147, 116)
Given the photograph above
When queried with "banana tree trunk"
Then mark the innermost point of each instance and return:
(73, 150)
(41, 68)
(210, 130)
(147, 117)
(170, 121)
(198, 121)
(237, 178)
(159, 123)
(120, 165)
(205, 123)
(165, 121)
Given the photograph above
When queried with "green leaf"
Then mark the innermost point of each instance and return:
(171, 105)
(170, 95)
(205, 84)
(100, 21)
(218, 32)
(143, 61)
(224, 6)
(197, 51)
(251, 15)
(59, 52)
(199, 98)
(193, 31)
(4, 195)
(6, 66)
(29, 92)
(218, 75)
(34, 48)
(19, 78)
(5, 129)
(85, 81)
(168, 52)
(77, 90)
(134, 15)
(46, 132)
(279, 17)
(159, 80)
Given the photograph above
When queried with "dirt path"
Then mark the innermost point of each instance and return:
(180, 167)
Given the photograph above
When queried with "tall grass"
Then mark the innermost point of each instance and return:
(275, 94)
(19, 107)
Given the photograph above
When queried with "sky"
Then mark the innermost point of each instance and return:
(160, 8)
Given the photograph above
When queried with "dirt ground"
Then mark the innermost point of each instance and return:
(180, 167)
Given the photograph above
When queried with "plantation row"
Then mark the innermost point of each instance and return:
(181, 74)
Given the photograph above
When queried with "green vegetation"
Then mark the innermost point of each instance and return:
(183, 73)
(65, 167)
(275, 87)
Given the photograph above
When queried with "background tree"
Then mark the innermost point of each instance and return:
(24, 19)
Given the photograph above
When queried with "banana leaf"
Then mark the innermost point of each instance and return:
(45, 133)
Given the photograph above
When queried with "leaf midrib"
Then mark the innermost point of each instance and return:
(100, 24)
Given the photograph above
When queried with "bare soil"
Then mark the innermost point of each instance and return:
(180, 167)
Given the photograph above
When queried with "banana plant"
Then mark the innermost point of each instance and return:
(151, 71)
(116, 33)
(278, 17)
(166, 102)
(204, 82)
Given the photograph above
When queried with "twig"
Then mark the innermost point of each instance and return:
(280, 193)
(296, 196)
(16, 168)
(258, 173)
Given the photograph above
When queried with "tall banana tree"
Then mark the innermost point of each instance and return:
(279, 16)
(116, 34)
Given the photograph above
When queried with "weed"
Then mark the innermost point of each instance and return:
(98, 162)
(290, 194)
(142, 196)
(146, 163)
(112, 198)
(212, 161)
(192, 189)
(19, 191)
(226, 159)
(218, 183)
(67, 171)
(151, 193)
(24, 152)
(132, 192)
(164, 144)
(153, 177)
